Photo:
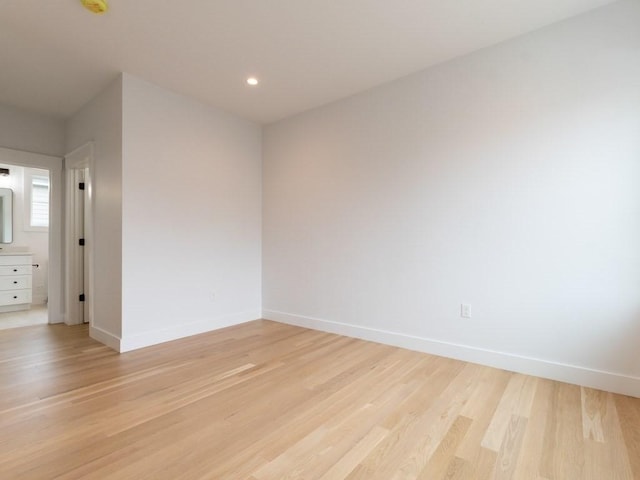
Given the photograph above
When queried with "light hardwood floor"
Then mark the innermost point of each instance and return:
(269, 401)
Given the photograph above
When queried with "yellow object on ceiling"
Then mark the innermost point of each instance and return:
(95, 6)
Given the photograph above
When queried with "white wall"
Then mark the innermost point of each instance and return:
(191, 224)
(100, 121)
(507, 179)
(36, 242)
(177, 214)
(31, 132)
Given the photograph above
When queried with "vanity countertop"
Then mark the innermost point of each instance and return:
(13, 252)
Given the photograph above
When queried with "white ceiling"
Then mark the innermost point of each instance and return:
(55, 56)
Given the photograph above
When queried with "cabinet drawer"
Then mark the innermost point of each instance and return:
(16, 270)
(15, 259)
(17, 282)
(15, 297)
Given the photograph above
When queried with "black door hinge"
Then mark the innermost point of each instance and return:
(81, 185)
(81, 242)
(81, 298)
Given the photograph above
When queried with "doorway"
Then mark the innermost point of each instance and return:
(34, 182)
(79, 238)
(24, 245)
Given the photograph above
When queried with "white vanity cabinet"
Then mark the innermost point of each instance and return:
(15, 281)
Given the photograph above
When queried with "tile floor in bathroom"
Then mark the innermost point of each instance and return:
(36, 315)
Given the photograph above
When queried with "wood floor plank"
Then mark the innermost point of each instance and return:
(614, 455)
(564, 452)
(594, 405)
(441, 463)
(400, 454)
(628, 410)
(343, 467)
(529, 464)
(481, 467)
(509, 452)
(441, 416)
(516, 400)
(481, 408)
(268, 401)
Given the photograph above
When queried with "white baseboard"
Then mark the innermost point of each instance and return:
(153, 337)
(107, 338)
(598, 379)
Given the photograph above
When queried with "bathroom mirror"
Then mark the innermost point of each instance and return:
(6, 215)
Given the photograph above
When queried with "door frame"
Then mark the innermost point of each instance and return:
(82, 158)
(53, 164)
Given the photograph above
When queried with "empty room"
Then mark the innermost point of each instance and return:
(320, 240)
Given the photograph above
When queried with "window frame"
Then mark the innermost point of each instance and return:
(29, 175)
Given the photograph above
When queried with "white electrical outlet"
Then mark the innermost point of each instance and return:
(465, 310)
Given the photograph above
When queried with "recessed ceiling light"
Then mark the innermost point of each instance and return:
(253, 81)
(95, 6)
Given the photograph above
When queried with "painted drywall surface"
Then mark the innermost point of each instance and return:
(506, 179)
(36, 242)
(22, 130)
(100, 121)
(191, 216)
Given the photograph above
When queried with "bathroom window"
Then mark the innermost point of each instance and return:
(37, 199)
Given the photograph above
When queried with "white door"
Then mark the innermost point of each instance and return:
(86, 276)
(76, 247)
(78, 237)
